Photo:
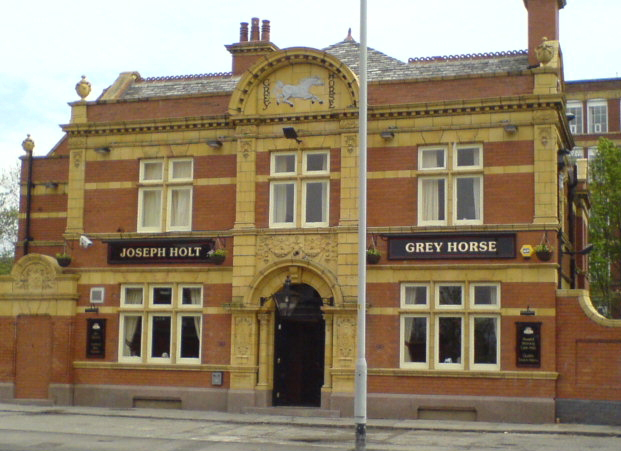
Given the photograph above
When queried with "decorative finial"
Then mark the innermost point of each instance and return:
(28, 144)
(83, 87)
(545, 51)
(349, 36)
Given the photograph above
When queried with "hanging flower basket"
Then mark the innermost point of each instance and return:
(63, 260)
(218, 256)
(373, 256)
(543, 252)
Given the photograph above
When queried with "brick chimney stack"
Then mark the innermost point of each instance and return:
(543, 21)
(247, 51)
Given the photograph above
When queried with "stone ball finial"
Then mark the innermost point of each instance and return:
(545, 51)
(28, 144)
(83, 87)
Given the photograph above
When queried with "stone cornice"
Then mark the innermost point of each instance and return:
(378, 112)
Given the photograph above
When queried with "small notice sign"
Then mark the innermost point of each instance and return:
(528, 345)
(96, 338)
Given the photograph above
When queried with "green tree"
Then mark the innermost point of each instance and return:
(9, 209)
(605, 228)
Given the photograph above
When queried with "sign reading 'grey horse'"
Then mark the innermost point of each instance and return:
(300, 91)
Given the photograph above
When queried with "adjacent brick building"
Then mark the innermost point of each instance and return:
(212, 227)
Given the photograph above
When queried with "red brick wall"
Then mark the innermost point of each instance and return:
(439, 90)
(7, 349)
(159, 109)
(589, 356)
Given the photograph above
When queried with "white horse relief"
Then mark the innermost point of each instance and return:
(300, 91)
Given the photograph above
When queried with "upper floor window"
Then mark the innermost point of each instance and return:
(299, 189)
(597, 115)
(574, 107)
(165, 195)
(450, 184)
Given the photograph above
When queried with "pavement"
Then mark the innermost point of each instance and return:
(310, 421)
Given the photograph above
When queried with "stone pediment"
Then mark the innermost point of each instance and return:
(294, 81)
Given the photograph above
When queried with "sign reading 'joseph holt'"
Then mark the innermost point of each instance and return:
(160, 251)
(451, 246)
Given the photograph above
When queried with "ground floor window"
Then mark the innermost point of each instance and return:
(450, 326)
(160, 323)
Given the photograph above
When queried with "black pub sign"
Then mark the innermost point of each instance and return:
(528, 345)
(160, 251)
(96, 338)
(437, 246)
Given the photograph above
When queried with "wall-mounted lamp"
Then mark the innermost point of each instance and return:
(527, 312)
(570, 116)
(91, 309)
(511, 129)
(102, 150)
(387, 134)
(587, 250)
(51, 185)
(214, 143)
(287, 299)
(290, 133)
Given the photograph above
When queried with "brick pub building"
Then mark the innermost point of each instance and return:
(211, 223)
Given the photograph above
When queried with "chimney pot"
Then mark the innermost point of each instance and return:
(265, 31)
(243, 32)
(254, 31)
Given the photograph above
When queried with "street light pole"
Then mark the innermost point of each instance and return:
(360, 400)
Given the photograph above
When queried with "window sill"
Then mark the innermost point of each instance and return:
(487, 374)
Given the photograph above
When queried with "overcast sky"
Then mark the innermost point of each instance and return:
(47, 45)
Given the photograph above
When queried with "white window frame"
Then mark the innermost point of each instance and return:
(308, 153)
(151, 295)
(575, 107)
(404, 288)
(402, 346)
(493, 307)
(600, 126)
(421, 191)
(122, 319)
(97, 295)
(484, 366)
(478, 220)
(280, 224)
(180, 303)
(299, 178)
(424, 149)
(439, 285)
(325, 202)
(450, 173)
(466, 312)
(458, 147)
(147, 310)
(124, 303)
(453, 365)
(150, 317)
(179, 330)
(165, 185)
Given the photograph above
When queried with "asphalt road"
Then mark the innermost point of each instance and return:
(75, 429)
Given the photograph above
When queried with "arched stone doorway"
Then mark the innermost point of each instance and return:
(299, 343)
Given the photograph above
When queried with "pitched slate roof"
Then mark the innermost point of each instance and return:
(381, 67)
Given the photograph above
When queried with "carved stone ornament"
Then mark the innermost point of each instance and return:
(83, 87)
(545, 51)
(316, 247)
(346, 334)
(285, 93)
(545, 136)
(35, 273)
(245, 147)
